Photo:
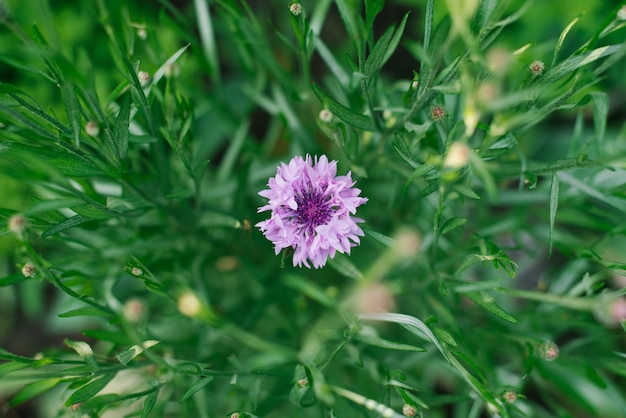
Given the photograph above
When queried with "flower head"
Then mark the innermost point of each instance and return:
(537, 67)
(311, 210)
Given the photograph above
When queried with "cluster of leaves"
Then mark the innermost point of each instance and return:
(142, 193)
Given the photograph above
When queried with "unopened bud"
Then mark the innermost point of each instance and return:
(458, 155)
(28, 270)
(618, 309)
(302, 382)
(498, 61)
(407, 242)
(144, 78)
(189, 304)
(136, 271)
(537, 67)
(374, 299)
(134, 310)
(409, 410)
(509, 396)
(326, 115)
(17, 224)
(621, 13)
(142, 33)
(295, 9)
(92, 129)
(437, 113)
(414, 84)
(549, 351)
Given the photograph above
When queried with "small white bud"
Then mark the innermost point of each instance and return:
(144, 78)
(458, 155)
(17, 224)
(409, 410)
(142, 34)
(189, 304)
(326, 115)
(509, 396)
(134, 310)
(28, 270)
(537, 67)
(295, 9)
(136, 271)
(549, 351)
(92, 129)
(621, 13)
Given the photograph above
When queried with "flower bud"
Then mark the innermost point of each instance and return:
(537, 67)
(136, 271)
(409, 410)
(618, 309)
(325, 115)
(295, 9)
(28, 270)
(134, 310)
(509, 396)
(17, 224)
(302, 382)
(189, 304)
(498, 61)
(142, 33)
(549, 351)
(458, 155)
(374, 299)
(92, 129)
(621, 13)
(437, 113)
(144, 78)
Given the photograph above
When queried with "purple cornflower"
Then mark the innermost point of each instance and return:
(311, 210)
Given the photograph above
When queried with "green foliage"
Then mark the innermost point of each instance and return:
(135, 137)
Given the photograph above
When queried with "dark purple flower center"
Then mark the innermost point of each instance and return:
(314, 208)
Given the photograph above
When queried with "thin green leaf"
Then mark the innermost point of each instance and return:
(8, 368)
(343, 265)
(600, 102)
(389, 345)
(34, 389)
(148, 404)
(196, 386)
(451, 224)
(207, 37)
(483, 299)
(120, 131)
(559, 43)
(12, 279)
(65, 225)
(384, 48)
(87, 311)
(577, 61)
(309, 289)
(347, 115)
(383, 239)
(72, 109)
(428, 23)
(554, 203)
(89, 390)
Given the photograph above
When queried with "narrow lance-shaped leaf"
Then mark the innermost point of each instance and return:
(554, 203)
(347, 115)
(91, 389)
(120, 132)
(72, 108)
